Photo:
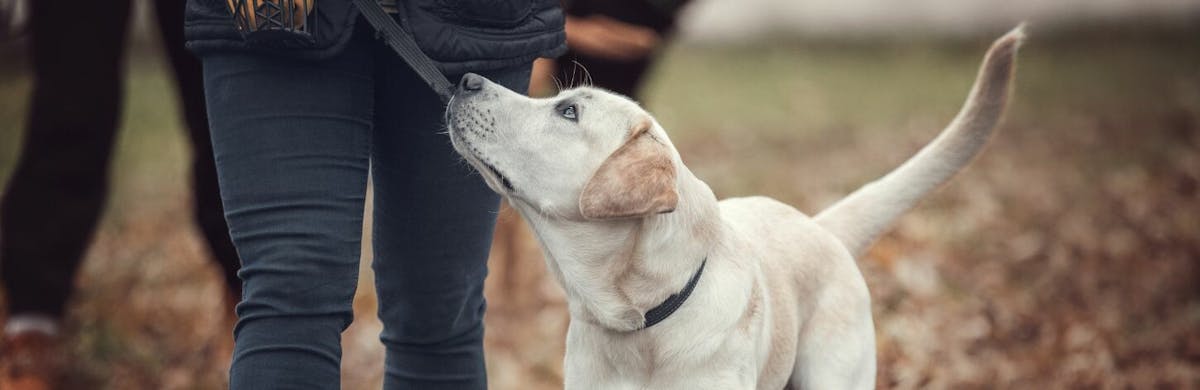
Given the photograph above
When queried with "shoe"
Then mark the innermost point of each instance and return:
(31, 360)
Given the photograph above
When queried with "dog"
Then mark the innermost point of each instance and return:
(668, 288)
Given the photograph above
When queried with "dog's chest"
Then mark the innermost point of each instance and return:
(631, 356)
(663, 359)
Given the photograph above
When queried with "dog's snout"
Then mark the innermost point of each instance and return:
(470, 83)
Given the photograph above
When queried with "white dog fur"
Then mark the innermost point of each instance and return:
(624, 224)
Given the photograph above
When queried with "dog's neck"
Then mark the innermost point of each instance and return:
(614, 271)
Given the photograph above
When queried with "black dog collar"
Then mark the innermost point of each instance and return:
(673, 302)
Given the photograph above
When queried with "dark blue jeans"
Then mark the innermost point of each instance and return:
(294, 142)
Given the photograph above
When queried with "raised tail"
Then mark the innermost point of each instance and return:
(861, 217)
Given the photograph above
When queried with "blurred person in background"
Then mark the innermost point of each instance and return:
(614, 42)
(55, 197)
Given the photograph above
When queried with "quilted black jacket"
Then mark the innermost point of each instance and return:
(460, 35)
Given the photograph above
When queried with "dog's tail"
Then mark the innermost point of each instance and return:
(861, 217)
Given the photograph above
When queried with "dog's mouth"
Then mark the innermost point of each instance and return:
(462, 135)
(489, 171)
(499, 176)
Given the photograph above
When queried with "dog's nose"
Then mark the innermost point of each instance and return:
(470, 83)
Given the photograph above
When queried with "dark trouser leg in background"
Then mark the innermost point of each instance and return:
(206, 198)
(58, 190)
(433, 224)
(292, 146)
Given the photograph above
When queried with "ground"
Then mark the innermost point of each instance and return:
(1066, 256)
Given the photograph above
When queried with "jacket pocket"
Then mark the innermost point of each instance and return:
(484, 13)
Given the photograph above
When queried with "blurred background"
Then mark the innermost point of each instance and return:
(1068, 255)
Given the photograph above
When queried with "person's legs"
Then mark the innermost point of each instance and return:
(57, 192)
(58, 189)
(433, 224)
(206, 208)
(292, 141)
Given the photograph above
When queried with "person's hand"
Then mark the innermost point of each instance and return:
(604, 37)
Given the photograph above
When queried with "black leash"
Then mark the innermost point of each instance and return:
(403, 43)
(673, 302)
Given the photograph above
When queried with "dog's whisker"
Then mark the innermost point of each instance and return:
(587, 75)
(558, 87)
(571, 81)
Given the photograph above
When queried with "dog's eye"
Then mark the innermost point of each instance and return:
(570, 112)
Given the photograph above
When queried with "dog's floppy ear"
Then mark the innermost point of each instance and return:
(638, 179)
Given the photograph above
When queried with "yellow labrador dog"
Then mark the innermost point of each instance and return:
(669, 288)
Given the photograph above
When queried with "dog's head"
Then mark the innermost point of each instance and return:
(586, 153)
